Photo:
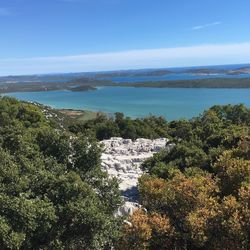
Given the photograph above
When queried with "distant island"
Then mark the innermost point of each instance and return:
(137, 73)
(232, 76)
(85, 84)
(212, 71)
(197, 83)
(82, 84)
(162, 72)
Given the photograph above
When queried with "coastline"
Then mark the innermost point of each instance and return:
(83, 85)
(171, 103)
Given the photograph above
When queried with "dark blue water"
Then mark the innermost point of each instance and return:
(140, 102)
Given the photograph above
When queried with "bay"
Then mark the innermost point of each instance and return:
(172, 103)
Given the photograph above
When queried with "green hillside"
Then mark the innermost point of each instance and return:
(54, 195)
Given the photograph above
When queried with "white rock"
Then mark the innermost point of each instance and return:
(128, 208)
(128, 223)
(122, 159)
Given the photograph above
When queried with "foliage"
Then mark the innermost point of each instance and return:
(201, 188)
(53, 194)
(104, 127)
(148, 231)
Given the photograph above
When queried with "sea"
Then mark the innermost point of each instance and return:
(171, 103)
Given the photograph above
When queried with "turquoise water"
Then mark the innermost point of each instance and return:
(140, 102)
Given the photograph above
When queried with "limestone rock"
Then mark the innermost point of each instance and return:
(122, 159)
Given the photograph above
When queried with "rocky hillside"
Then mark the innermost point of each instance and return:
(122, 158)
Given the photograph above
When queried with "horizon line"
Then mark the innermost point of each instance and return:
(129, 69)
(172, 57)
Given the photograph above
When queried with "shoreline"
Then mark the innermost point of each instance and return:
(83, 85)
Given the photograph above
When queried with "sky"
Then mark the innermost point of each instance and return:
(56, 36)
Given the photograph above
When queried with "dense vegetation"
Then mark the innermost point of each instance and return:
(53, 194)
(198, 195)
(104, 127)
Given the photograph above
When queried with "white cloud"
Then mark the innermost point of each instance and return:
(4, 12)
(134, 59)
(199, 27)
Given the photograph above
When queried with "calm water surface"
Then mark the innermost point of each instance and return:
(140, 102)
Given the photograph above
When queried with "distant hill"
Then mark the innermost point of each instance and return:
(158, 72)
(69, 77)
(197, 83)
(86, 81)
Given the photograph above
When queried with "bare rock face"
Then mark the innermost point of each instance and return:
(122, 159)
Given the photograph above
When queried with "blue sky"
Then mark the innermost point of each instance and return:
(44, 36)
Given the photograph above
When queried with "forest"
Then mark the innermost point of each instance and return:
(54, 194)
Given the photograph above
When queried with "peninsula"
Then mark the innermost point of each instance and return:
(90, 84)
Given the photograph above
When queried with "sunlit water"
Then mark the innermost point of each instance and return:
(139, 102)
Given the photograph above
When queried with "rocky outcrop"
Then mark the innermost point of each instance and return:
(122, 159)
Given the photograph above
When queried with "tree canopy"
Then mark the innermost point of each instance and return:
(197, 195)
(54, 195)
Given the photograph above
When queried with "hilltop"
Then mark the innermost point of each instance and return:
(54, 186)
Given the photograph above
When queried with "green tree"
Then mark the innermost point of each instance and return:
(53, 193)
